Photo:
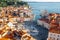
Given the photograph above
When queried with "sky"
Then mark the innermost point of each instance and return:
(42, 0)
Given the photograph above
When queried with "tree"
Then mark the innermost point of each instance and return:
(12, 2)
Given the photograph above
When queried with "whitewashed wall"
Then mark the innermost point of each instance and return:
(53, 36)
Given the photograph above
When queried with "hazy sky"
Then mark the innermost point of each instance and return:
(42, 0)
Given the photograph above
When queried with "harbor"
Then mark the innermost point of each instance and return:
(16, 23)
(21, 20)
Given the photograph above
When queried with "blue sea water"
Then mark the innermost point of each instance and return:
(49, 6)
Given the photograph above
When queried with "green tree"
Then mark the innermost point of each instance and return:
(12, 2)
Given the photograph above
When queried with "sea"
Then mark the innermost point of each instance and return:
(36, 10)
(49, 6)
